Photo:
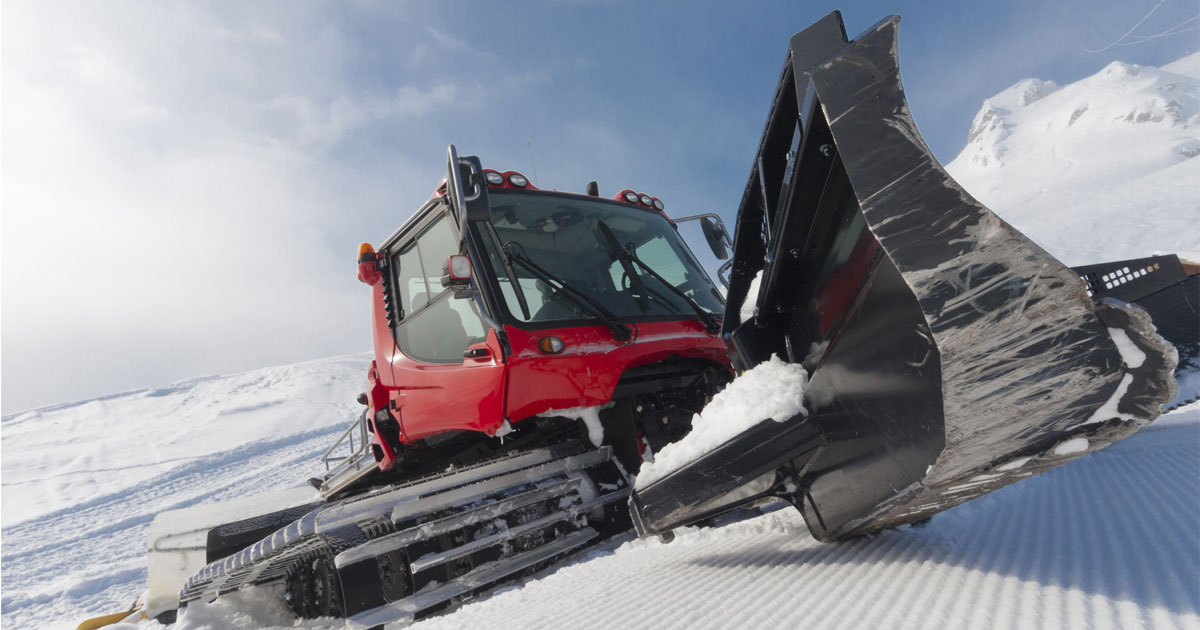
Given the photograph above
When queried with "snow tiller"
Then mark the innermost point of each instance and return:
(534, 348)
(949, 355)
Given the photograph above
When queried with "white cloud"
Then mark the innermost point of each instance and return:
(326, 124)
(256, 34)
(453, 44)
(170, 202)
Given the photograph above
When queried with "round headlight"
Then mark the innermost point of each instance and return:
(495, 179)
(631, 197)
(645, 199)
(658, 204)
(518, 180)
(550, 345)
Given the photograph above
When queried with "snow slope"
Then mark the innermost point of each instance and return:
(1110, 541)
(82, 481)
(1101, 169)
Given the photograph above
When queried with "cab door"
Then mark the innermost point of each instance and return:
(449, 369)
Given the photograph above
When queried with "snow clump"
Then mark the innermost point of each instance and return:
(773, 389)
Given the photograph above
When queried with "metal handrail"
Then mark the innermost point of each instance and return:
(349, 466)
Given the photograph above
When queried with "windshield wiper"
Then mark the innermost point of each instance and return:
(617, 252)
(711, 323)
(512, 275)
(620, 332)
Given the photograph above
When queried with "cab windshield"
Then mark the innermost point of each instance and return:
(562, 234)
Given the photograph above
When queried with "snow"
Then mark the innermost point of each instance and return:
(60, 457)
(1130, 353)
(82, 481)
(1014, 464)
(1073, 445)
(590, 417)
(1088, 545)
(771, 390)
(751, 303)
(1109, 541)
(1111, 407)
(1095, 171)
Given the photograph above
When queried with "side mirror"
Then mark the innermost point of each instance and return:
(466, 189)
(716, 237)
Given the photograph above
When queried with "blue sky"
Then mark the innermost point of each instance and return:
(184, 185)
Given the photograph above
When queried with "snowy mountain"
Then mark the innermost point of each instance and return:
(1098, 170)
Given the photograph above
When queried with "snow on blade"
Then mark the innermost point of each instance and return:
(747, 310)
(1133, 358)
(1073, 445)
(1110, 408)
(1130, 353)
(773, 389)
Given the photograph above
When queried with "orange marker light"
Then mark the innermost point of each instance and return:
(550, 345)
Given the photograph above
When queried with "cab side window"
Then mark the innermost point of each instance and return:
(434, 327)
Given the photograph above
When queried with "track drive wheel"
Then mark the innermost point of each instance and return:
(313, 589)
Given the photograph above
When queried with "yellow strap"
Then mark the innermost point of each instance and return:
(106, 620)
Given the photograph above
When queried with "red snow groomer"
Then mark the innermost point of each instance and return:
(533, 348)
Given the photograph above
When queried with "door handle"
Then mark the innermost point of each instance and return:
(478, 352)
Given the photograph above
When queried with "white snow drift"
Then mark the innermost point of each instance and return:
(772, 390)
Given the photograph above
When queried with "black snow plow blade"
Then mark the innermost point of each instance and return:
(948, 354)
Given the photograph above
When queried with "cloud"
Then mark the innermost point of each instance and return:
(257, 34)
(453, 44)
(329, 122)
(183, 204)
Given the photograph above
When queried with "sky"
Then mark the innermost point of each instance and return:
(183, 186)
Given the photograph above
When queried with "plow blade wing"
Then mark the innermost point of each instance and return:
(948, 354)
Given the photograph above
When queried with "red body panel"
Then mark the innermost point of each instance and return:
(481, 393)
(586, 372)
(431, 399)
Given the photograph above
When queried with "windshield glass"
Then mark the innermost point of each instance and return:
(560, 233)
